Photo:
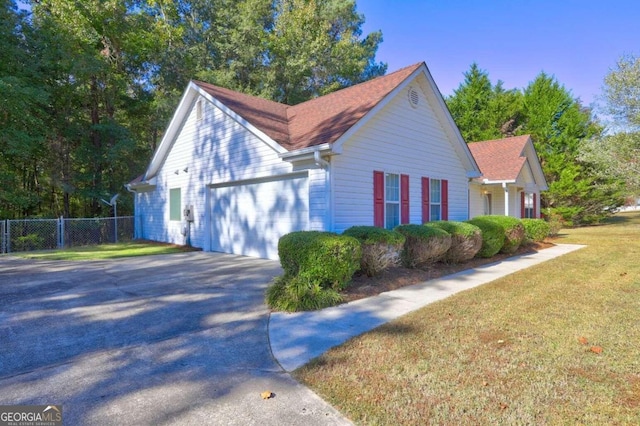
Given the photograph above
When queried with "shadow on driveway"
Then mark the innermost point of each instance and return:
(172, 339)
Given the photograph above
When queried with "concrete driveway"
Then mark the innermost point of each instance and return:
(177, 339)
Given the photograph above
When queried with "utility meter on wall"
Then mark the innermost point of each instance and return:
(188, 213)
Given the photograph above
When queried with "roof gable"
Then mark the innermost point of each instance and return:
(325, 119)
(504, 159)
(268, 116)
(320, 121)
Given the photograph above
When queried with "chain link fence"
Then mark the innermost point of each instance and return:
(46, 234)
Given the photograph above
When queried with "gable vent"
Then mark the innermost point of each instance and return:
(414, 97)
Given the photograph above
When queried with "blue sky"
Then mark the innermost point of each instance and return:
(577, 41)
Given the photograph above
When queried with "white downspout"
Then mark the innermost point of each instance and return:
(320, 162)
(506, 198)
(324, 164)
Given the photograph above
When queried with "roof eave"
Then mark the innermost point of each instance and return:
(142, 186)
(177, 121)
(241, 120)
(308, 152)
(497, 181)
(338, 143)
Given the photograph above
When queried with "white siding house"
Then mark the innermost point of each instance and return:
(511, 180)
(380, 153)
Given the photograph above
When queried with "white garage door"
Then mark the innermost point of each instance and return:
(250, 218)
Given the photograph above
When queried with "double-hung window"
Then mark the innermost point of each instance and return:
(435, 199)
(392, 200)
(528, 206)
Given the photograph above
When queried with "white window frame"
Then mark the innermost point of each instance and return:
(435, 204)
(175, 192)
(528, 205)
(487, 200)
(389, 202)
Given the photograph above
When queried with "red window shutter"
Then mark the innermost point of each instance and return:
(444, 196)
(535, 206)
(522, 211)
(404, 198)
(425, 199)
(378, 199)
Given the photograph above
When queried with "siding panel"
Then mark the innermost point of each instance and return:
(399, 139)
(211, 150)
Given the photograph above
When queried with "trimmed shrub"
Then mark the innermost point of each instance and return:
(380, 248)
(535, 230)
(466, 240)
(424, 244)
(295, 293)
(493, 236)
(513, 232)
(320, 257)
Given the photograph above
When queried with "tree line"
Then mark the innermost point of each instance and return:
(87, 87)
(591, 167)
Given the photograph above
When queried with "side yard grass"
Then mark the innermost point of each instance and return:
(557, 343)
(106, 251)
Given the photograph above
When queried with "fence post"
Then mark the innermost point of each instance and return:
(3, 237)
(8, 241)
(61, 232)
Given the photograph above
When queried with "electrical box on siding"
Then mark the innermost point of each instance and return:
(188, 213)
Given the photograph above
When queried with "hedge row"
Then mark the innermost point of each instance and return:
(317, 265)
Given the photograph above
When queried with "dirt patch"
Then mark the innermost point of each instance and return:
(362, 286)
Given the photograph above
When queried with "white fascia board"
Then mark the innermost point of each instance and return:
(143, 186)
(174, 127)
(179, 117)
(449, 125)
(337, 145)
(536, 167)
(305, 153)
(461, 147)
(244, 123)
(497, 182)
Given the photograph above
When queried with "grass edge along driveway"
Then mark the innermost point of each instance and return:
(105, 251)
(553, 344)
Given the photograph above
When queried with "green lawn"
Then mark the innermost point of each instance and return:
(105, 251)
(520, 350)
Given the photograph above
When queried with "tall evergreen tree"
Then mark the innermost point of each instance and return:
(558, 125)
(483, 111)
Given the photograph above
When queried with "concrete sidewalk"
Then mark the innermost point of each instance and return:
(297, 338)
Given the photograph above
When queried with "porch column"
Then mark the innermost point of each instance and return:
(506, 199)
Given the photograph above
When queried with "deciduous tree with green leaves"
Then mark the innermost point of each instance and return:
(88, 87)
(23, 103)
(621, 93)
(616, 153)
